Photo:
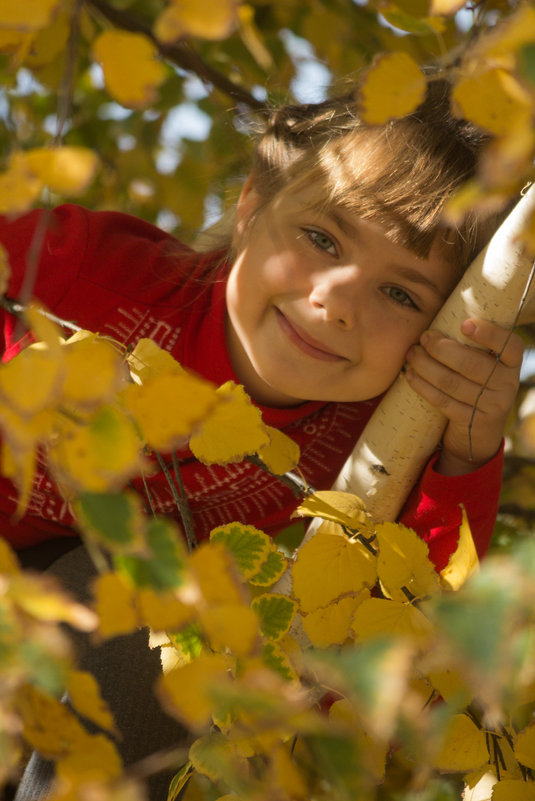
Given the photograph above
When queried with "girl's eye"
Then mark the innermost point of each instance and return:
(321, 241)
(399, 295)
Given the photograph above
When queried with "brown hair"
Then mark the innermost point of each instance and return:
(400, 174)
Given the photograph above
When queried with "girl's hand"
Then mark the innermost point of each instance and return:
(455, 377)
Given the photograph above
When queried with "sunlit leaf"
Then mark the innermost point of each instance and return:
(494, 100)
(271, 570)
(49, 726)
(233, 430)
(446, 6)
(43, 598)
(93, 371)
(393, 86)
(248, 545)
(168, 407)
(464, 747)
(19, 187)
(162, 610)
(377, 617)
(231, 626)
(339, 507)
(281, 454)
(525, 747)
(84, 695)
(331, 625)
(30, 15)
(65, 170)
(185, 691)
(403, 562)
(213, 568)
(275, 612)
(131, 68)
(30, 382)
(513, 790)
(329, 566)
(463, 562)
(114, 604)
(209, 19)
(148, 360)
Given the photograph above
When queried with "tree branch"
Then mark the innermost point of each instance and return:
(180, 53)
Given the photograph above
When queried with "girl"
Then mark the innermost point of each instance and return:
(337, 263)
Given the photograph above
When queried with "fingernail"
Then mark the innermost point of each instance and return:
(426, 336)
(469, 328)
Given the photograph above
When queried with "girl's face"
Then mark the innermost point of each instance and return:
(321, 305)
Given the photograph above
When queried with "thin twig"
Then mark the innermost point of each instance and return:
(294, 482)
(17, 309)
(65, 90)
(191, 540)
(186, 510)
(498, 355)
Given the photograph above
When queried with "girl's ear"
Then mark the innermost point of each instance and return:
(248, 202)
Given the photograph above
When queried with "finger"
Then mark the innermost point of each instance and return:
(451, 406)
(444, 381)
(505, 344)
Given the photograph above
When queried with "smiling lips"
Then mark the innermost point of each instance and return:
(304, 342)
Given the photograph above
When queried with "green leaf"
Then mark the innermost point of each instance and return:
(164, 566)
(179, 781)
(115, 519)
(276, 613)
(248, 545)
(271, 570)
(276, 659)
(189, 642)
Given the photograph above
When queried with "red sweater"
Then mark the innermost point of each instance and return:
(120, 276)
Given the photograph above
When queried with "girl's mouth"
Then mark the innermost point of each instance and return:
(304, 342)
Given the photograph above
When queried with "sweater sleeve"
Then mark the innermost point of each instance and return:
(433, 509)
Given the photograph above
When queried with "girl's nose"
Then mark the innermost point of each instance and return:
(336, 293)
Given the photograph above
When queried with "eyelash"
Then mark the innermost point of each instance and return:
(313, 235)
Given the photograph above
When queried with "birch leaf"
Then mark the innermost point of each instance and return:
(393, 87)
(42, 598)
(248, 545)
(494, 100)
(378, 617)
(19, 187)
(271, 570)
(84, 695)
(525, 747)
(232, 431)
(9, 564)
(276, 613)
(93, 371)
(65, 170)
(132, 71)
(329, 566)
(464, 747)
(278, 660)
(331, 625)
(30, 382)
(281, 454)
(206, 19)
(47, 333)
(28, 16)
(231, 626)
(216, 575)
(339, 507)
(463, 562)
(167, 407)
(162, 610)
(445, 7)
(114, 605)
(513, 790)
(403, 561)
(95, 760)
(148, 360)
(185, 691)
(114, 519)
(49, 726)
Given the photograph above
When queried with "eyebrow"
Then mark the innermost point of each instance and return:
(406, 272)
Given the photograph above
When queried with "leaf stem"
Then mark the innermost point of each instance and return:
(181, 506)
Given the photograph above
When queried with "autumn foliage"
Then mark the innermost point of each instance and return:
(430, 677)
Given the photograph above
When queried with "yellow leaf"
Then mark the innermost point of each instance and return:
(450, 686)
(97, 456)
(50, 42)
(231, 626)
(248, 545)
(446, 7)
(525, 747)
(49, 726)
(9, 564)
(233, 430)
(65, 170)
(340, 507)
(148, 360)
(30, 382)
(329, 566)
(162, 611)
(371, 749)
(330, 625)
(185, 691)
(286, 774)
(463, 562)
(403, 561)
(47, 333)
(42, 597)
(5, 270)
(204, 19)
(95, 760)
(84, 695)
(393, 86)
(114, 605)
(167, 407)
(93, 371)
(28, 16)
(19, 188)
(281, 454)
(464, 747)
(132, 72)
(213, 569)
(494, 100)
(513, 790)
(378, 617)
